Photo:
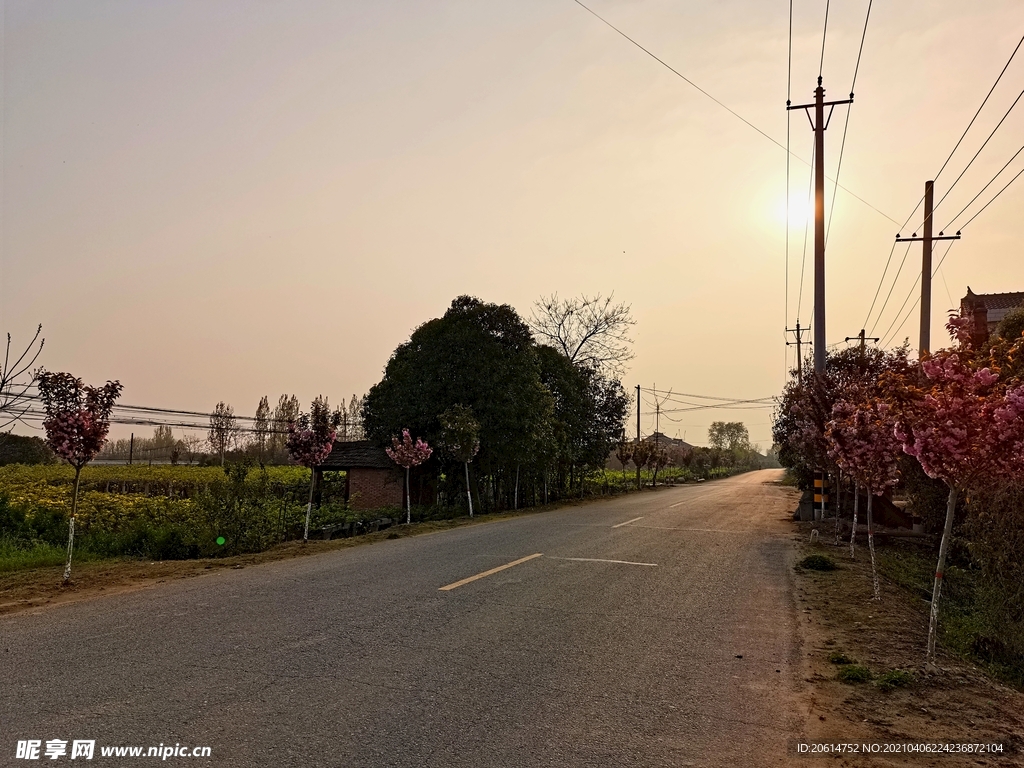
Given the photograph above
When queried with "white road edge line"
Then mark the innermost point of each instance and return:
(628, 522)
(601, 560)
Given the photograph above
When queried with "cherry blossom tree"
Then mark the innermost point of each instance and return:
(863, 444)
(310, 440)
(405, 453)
(963, 426)
(77, 422)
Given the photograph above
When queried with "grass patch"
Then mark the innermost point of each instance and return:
(895, 678)
(854, 673)
(975, 622)
(17, 555)
(838, 657)
(818, 563)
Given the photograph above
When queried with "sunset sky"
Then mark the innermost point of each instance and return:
(218, 201)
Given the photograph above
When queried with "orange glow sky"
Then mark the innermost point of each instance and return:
(217, 201)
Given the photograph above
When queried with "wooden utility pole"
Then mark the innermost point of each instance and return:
(819, 124)
(131, 448)
(926, 267)
(799, 351)
(862, 339)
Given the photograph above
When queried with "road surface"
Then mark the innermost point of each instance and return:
(657, 629)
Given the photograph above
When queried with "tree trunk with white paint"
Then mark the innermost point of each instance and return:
(947, 532)
(71, 525)
(853, 529)
(309, 507)
(871, 547)
(408, 499)
(839, 505)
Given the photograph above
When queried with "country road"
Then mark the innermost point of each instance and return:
(657, 629)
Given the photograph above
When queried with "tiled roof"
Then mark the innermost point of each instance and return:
(994, 300)
(357, 454)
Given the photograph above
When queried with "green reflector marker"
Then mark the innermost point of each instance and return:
(221, 540)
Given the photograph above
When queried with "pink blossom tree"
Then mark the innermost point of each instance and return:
(407, 454)
(962, 426)
(310, 440)
(77, 422)
(863, 444)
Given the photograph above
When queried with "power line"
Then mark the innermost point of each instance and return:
(891, 288)
(980, 148)
(888, 338)
(983, 103)
(984, 188)
(881, 281)
(789, 94)
(994, 198)
(879, 288)
(807, 223)
(824, 31)
(702, 397)
(846, 124)
(719, 103)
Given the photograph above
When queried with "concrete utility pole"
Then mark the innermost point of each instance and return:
(819, 124)
(926, 267)
(799, 351)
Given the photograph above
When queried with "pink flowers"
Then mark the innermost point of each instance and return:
(311, 438)
(77, 416)
(862, 442)
(406, 453)
(307, 447)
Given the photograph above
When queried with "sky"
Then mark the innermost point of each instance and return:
(220, 201)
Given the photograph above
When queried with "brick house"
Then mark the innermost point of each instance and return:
(987, 310)
(372, 480)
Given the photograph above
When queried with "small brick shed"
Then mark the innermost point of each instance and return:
(372, 480)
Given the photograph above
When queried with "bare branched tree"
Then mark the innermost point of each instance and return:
(223, 429)
(16, 380)
(590, 331)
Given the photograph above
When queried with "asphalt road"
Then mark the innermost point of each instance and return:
(357, 657)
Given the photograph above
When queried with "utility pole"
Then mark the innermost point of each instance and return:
(131, 448)
(926, 267)
(862, 339)
(799, 351)
(819, 125)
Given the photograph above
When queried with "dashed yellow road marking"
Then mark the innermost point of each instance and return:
(489, 573)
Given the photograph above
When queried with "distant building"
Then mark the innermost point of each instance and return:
(676, 448)
(987, 310)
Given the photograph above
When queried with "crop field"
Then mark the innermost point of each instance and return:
(165, 512)
(113, 497)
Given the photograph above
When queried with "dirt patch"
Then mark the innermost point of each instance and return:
(889, 695)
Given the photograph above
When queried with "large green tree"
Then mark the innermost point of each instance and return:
(477, 355)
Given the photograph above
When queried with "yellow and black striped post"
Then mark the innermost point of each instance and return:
(820, 494)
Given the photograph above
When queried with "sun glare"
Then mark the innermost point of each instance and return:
(799, 210)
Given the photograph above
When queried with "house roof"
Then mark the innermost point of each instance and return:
(356, 454)
(994, 300)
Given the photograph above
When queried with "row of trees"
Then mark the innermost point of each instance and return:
(532, 418)
(957, 417)
(263, 438)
